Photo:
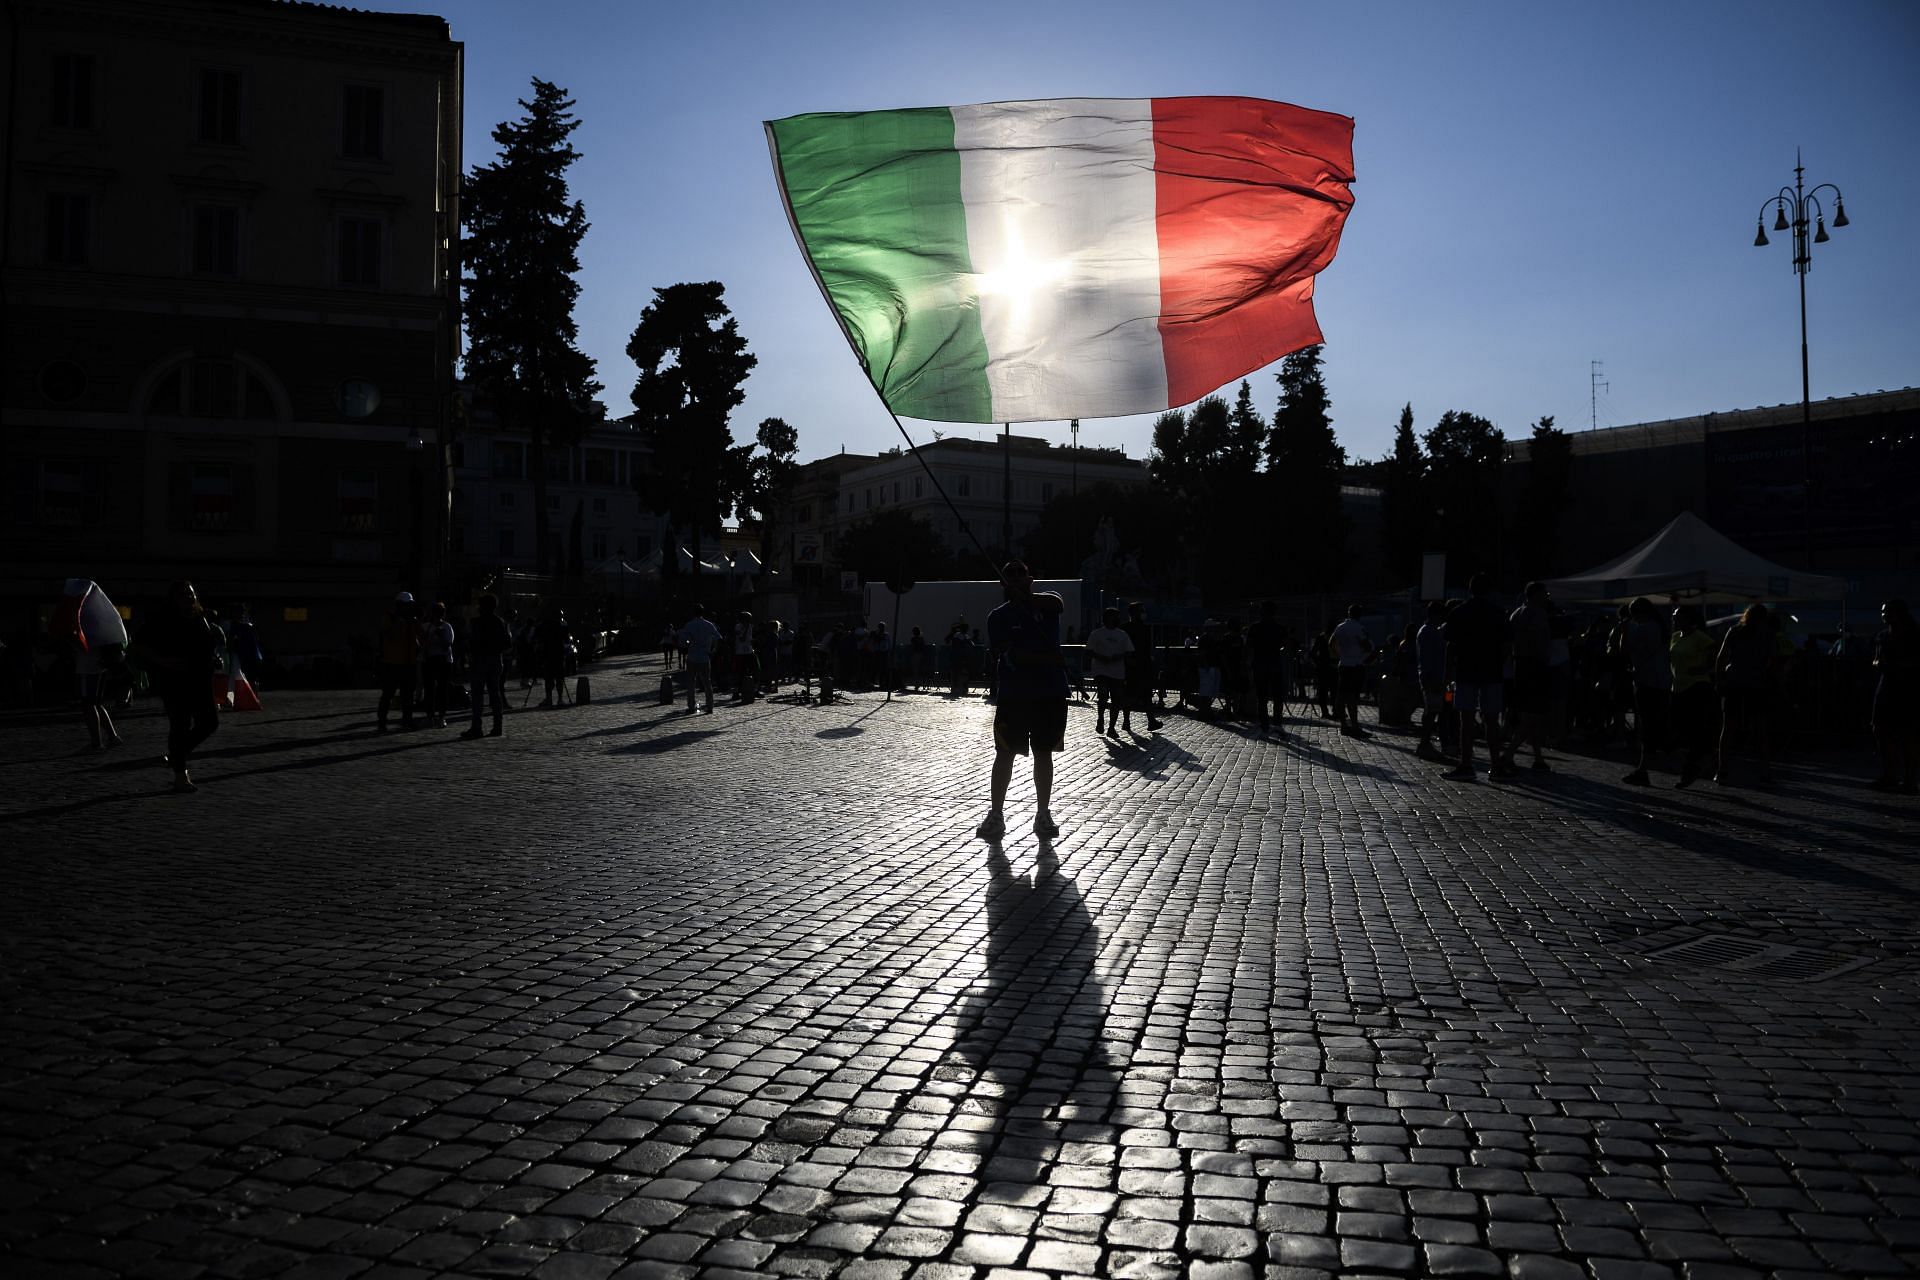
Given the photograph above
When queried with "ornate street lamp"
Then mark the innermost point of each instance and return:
(1806, 210)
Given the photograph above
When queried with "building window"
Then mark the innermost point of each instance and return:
(210, 509)
(361, 245)
(210, 388)
(965, 487)
(219, 106)
(919, 486)
(509, 460)
(560, 464)
(597, 547)
(505, 500)
(1046, 491)
(896, 491)
(216, 240)
(849, 502)
(506, 544)
(69, 227)
(600, 506)
(68, 496)
(359, 492)
(70, 100)
(600, 467)
(363, 121)
(869, 499)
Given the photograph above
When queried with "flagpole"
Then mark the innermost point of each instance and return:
(1006, 493)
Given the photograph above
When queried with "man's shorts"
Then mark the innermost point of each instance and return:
(1434, 698)
(1039, 723)
(1488, 698)
(1111, 688)
(1532, 694)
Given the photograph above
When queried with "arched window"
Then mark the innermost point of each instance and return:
(211, 387)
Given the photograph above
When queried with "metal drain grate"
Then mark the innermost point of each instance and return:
(1757, 958)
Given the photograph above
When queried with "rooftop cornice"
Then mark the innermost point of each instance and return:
(353, 34)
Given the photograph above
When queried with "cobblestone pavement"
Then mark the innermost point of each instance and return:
(631, 993)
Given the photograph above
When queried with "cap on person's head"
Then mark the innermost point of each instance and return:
(405, 597)
(1016, 569)
(1110, 614)
(1536, 589)
(1353, 611)
(1479, 584)
(1138, 606)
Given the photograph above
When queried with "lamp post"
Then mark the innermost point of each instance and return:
(1806, 207)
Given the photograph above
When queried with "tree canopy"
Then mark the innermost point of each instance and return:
(693, 366)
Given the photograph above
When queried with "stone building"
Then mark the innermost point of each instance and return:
(230, 265)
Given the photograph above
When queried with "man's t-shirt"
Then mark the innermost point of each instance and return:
(1532, 633)
(1265, 648)
(1647, 651)
(1350, 640)
(700, 635)
(1109, 647)
(1476, 637)
(1018, 627)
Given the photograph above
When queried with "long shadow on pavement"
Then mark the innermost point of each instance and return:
(1030, 1033)
(654, 746)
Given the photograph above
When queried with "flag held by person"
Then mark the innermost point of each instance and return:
(1070, 258)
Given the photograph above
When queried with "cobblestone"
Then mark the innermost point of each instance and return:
(630, 994)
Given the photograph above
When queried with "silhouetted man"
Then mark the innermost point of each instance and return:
(1030, 705)
(1266, 664)
(1477, 643)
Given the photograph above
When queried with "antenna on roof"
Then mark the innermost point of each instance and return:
(1594, 383)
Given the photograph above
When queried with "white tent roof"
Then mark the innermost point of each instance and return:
(1691, 560)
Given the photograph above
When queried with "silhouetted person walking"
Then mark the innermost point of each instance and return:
(1896, 699)
(1030, 704)
(399, 652)
(1267, 670)
(1532, 628)
(180, 649)
(1690, 655)
(1745, 671)
(701, 638)
(1430, 661)
(1353, 649)
(437, 663)
(489, 641)
(1651, 662)
(1140, 664)
(1476, 635)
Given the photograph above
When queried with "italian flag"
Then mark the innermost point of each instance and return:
(1071, 258)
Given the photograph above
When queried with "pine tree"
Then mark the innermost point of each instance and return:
(1544, 499)
(1405, 510)
(1304, 464)
(522, 248)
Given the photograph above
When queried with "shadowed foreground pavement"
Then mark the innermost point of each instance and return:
(632, 993)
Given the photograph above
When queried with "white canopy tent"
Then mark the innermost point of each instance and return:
(1691, 561)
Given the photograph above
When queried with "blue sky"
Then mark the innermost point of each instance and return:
(1538, 186)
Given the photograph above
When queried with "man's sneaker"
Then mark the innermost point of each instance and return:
(1638, 778)
(1541, 766)
(1459, 773)
(992, 827)
(472, 733)
(1044, 826)
(1503, 772)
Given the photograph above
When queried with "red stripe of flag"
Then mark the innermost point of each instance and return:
(1251, 197)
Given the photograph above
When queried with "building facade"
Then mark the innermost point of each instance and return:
(976, 476)
(1746, 473)
(231, 268)
(493, 496)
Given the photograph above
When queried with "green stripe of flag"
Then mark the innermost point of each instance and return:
(875, 200)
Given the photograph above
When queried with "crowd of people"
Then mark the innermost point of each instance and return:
(1522, 680)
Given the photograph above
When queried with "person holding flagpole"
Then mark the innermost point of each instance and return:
(1030, 711)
